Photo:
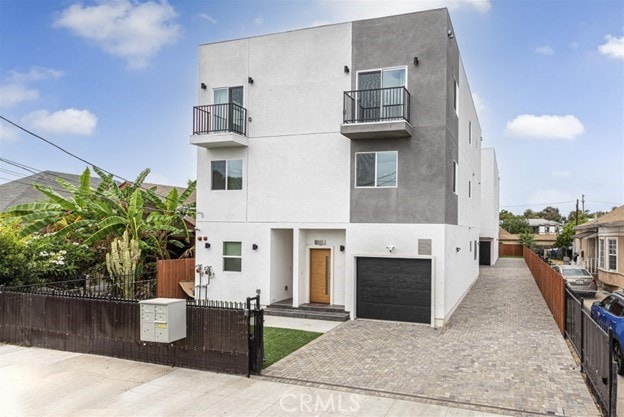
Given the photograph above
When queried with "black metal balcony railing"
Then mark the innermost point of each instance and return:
(376, 105)
(219, 118)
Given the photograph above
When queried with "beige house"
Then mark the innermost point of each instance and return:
(600, 243)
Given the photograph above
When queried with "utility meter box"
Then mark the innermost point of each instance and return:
(163, 320)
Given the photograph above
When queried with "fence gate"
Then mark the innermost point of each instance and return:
(256, 334)
(595, 349)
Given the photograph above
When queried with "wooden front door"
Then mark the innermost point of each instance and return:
(320, 275)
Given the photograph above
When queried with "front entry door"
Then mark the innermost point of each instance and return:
(320, 275)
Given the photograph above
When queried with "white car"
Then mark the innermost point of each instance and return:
(578, 279)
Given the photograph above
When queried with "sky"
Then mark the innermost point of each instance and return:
(114, 82)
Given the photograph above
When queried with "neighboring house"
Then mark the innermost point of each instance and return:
(544, 227)
(601, 245)
(541, 241)
(342, 165)
(21, 191)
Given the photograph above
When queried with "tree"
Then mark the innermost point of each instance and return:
(96, 216)
(529, 214)
(550, 213)
(565, 237)
(505, 214)
(527, 239)
(516, 225)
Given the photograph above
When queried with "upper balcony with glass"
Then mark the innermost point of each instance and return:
(380, 108)
(223, 123)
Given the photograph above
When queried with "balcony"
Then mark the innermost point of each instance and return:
(376, 113)
(219, 126)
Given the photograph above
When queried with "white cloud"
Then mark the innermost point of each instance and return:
(13, 94)
(258, 21)
(613, 47)
(15, 89)
(133, 31)
(544, 50)
(480, 104)
(574, 45)
(209, 18)
(68, 121)
(8, 133)
(365, 9)
(562, 174)
(549, 196)
(545, 127)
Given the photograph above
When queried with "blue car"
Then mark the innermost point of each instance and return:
(609, 314)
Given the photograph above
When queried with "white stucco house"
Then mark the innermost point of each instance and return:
(342, 165)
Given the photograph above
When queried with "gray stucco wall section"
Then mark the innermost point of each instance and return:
(425, 161)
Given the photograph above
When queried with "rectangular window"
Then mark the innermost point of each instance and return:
(470, 132)
(381, 94)
(475, 252)
(227, 175)
(456, 96)
(612, 247)
(469, 189)
(376, 169)
(601, 253)
(455, 176)
(232, 256)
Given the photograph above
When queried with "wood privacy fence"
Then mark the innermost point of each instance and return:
(510, 250)
(170, 273)
(218, 339)
(550, 283)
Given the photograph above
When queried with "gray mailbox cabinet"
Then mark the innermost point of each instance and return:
(163, 320)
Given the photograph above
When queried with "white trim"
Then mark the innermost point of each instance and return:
(357, 74)
(376, 186)
(608, 254)
(601, 256)
(223, 255)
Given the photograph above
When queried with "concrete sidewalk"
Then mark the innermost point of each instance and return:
(42, 382)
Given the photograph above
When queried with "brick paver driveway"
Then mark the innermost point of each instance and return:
(502, 352)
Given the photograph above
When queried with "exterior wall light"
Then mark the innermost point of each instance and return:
(342, 248)
(254, 247)
(457, 249)
(390, 248)
(346, 69)
(250, 80)
(415, 61)
(207, 245)
(203, 86)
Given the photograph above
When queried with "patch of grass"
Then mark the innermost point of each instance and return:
(279, 343)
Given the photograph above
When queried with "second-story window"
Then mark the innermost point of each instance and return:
(470, 132)
(227, 175)
(376, 169)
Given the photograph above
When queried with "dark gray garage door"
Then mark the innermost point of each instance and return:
(394, 289)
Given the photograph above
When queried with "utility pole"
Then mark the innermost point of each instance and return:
(577, 211)
(583, 202)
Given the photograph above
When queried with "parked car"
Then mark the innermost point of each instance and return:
(578, 279)
(609, 314)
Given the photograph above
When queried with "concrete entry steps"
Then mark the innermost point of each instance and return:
(315, 311)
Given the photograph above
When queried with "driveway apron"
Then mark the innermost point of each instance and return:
(501, 352)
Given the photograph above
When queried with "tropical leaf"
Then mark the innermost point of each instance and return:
(34, 207)
(68, 204)
(73, 227)
(192, 185)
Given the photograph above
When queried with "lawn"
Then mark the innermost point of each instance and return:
(279, 343)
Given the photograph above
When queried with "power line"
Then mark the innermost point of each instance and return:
(49, 142)
(539, 204)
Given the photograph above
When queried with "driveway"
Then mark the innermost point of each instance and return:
(502, 352)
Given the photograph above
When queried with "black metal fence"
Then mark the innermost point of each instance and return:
(129, 287)
(594, 347)
(218, 335)
(375, 105)
(219, 118)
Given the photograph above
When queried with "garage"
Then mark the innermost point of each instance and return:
(397, 289)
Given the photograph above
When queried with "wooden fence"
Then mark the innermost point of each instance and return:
(550, 283)
(218, 339)
(514, 249)
(170, 273)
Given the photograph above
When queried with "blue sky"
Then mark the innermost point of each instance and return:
(115, 83)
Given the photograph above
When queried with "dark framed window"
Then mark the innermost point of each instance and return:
(227, 174)
(232, 256)
(376, 169)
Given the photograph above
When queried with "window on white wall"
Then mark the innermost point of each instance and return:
(601, 253)
(227, 175)
(455, 176)
(470, 132)
(376, 169)
(469, 189)
(232, 256)
(612, 248)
